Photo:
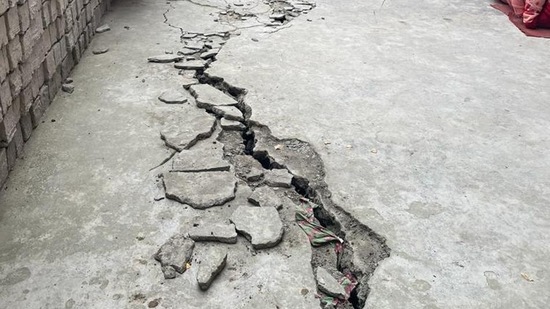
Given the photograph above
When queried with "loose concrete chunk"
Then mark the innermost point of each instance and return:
(265, 197)
(172, 97)
(200, 158)
(201, 190)
(220, 232)
(189, 35)
(187, 51)
(209, 54)
(255, 174)
(231, 125)
(194, 45)
(212, 263)
(328, 284)
(69, 88)
(247, 166)
(262, 226)
(100, 50)
(175, 254)
(166, 58)
(188, 82)
(228, 112)
(278, 16)
(184, 126)
(190, 65)
(103, 28)
(278, 178)
(208, 96)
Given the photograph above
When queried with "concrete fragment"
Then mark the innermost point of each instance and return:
(69, 88)
(185, 126)
(190, 65)
(166, 58)
(200, 190)
(220, 232)
(247, 166)
(265, 197)
(200, 159)
(228, 112)
(278, 178)
(186, 51)
(100, 50)
(103, 28)
(172, 97)
(208, 96)
(255, 174)
(262, 226)
(209, 54)
(175, 254)
(188, 35)
(212, 263)
(277, 16)
(194, 45)
(232, 125)
(328, 284)
(188, 82)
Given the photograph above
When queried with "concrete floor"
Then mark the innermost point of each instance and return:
(432, 120)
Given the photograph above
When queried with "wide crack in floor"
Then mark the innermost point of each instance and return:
(274, 168)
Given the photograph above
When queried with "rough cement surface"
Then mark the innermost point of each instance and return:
(200, 190)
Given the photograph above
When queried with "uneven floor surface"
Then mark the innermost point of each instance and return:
(431, 120)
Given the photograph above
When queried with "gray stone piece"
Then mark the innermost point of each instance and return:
(328, 284)
(188, 81)
(209, 54)
(187, 51)
(190, 65)
(200, 158)
(228, 112)
(200, 190)
(255, 174)
(103, 28)
(172, 97)
(69, 88)
(189, 35)
(100, 50)
(166, 58)
(277, 16)
(265, 197)
(174, 254)
(211, 265)
(220, 232)
(184, 127)
(248, 168)
(262, 226)
(194, 45)
(208, 96)
(232, 125)
(278, 178)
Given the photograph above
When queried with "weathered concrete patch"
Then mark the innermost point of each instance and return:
(220, 232)
(200, 158)
(328, 284)
(211, 264)
(265, 197)
(208, 96)
(172, 97)
(184, 125)
(174, 255)
(278, 178)
(200, 190)
(262, 226)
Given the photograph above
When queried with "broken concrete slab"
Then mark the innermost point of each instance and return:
(175, 254)
(69, 88)
(220, 232)
(188, 81)
(232, 125)
(166, 58)
(208, 96)
(247, 166)
(196, 45)
(187, 51)
(328, 284)
(277, 16)
(188, 35)
(265, 197)
(211, 264)
(184, 125)
(200, 190)
(228, 112)
(255, 174)
(262, 226)
(172, 97)
(278, 178)
(209, 54)
(100, 50)
(207, 158)
(190, 65)
(103, 28)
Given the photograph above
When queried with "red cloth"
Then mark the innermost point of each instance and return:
(543, 20)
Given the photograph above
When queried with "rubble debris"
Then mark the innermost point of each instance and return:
(188, 82)
(172, 97)
(200, 159)
(200, 190)
(232, 125)
(211, 265)
(69, 80)
(208, 96)
(209, 54)
(196, 45)
(100, 50)
(198, 125)
(278, 178)
(265, 197)
(166, 58)
(328, 284)
(189, 35)
(190, 65)
(68, 88)
(103, 28)
(262, 226)
(228, 112)
(174, 255)
(186, 51)
(255, 174)
(220, 232)
(277, 16)
(246, 166)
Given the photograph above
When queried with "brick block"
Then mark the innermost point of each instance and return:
(5, 96)
(46, 15)
(35, 7)
(15, 147)
(57, 54)
(4, 6)
(69, 20)
(26, 126)
(63, 47)
(26, 98)
(52, 28)
(26, 73)
(54, 84)
(49, 66)
(24, 17)
(3, 166)
(54, 12)
(37, 81)
(3, 31)
(15, 82)
(37, 110)
(60, 26)
(12, 22)
(15, 53)
(7, 127)
(4, 63)
(67, 66)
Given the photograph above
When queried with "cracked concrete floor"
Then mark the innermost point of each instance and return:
(429, 132)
